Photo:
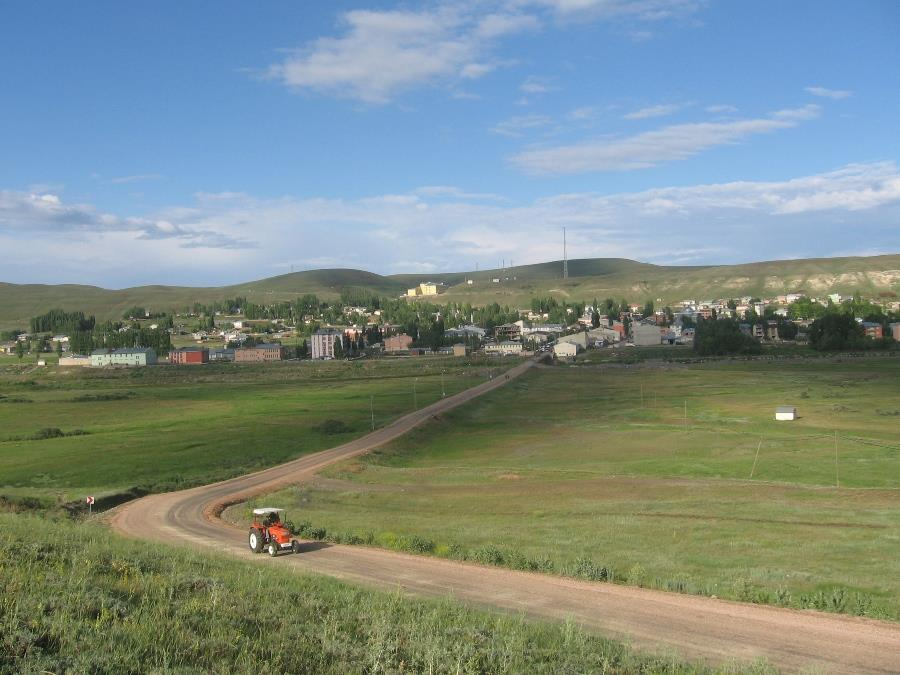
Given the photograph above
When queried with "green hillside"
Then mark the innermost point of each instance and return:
(588, 278)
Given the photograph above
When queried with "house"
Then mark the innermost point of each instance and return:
(141, 356)
(259, 353)
(505, 348)
(465, 332)
(580, 339)
(646, 335)
(873, 330)
(221, 355)
(785, 413)
(426, 288)
(894, 330)
(603, 334)
(758, 331)
(398, 343)
(460, 350)
(322, 342)
(508, 331)
(565, 350)
(189, 356)
(74, 360)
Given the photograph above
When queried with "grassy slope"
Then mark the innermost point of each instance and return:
(82, 600)
(589, 278)
(567, 465)
(174, 426)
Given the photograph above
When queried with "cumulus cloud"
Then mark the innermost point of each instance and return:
(823, 92)
(642, 10)
(650, 148)
(382, 53)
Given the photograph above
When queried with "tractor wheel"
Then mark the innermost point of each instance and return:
(295, 546)
(255, 540)
(273, 549)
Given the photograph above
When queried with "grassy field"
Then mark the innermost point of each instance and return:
(588, 278)
(670, 476)
(82, 600)
(166, 426)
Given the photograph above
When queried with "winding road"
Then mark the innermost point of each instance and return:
(690, 627)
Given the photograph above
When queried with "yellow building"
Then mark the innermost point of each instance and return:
(427, 288)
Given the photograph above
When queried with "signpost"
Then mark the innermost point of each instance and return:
(90, 503)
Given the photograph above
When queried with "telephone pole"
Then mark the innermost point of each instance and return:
(565, 257)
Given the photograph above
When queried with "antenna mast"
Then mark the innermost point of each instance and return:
(565, 257)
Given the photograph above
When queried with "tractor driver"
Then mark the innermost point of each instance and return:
(271, 519)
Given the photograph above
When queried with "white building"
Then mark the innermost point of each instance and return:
(322, 342)
(646, 335)
(563, 350)
(506, 348)
(143, 356)
(785, 413)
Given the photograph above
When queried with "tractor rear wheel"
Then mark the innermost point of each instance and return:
(255, 540)
(273, 549)
(295, 546)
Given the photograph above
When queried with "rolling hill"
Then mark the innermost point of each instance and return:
(588, 278)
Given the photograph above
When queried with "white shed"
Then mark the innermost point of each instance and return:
(785, 412)
(565, 349)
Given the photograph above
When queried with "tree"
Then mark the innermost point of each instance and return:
(339, 347)
(836, 331)
(718, 338)
(20, 349)
(595, 318)
(59, 349)
(648, 308)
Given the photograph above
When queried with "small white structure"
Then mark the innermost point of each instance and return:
(565, 350)
(785, 413)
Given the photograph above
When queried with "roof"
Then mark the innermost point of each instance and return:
(123, 350)
(785, 409)
(265, 510)
(192, 349)
(328, 331)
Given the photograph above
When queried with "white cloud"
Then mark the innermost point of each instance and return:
(653, 111)
(647, 149)
(382, 53)
(139, 178)
(642, 10)
(721, 109)
(535, 85)
(517, 126)
(828, 93)
(445, 228)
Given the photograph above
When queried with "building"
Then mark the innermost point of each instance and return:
(508, 331)
(506, 348)
(322, 342)
(426, 288)
(894, 330)
(563, 350)
(580, 338)
(465, 332)
(463, 350)
(603, 334)
(260, 353)
(398, 343)
(142, 356)
(221, 355)
(189, 356)
(74, 360)
(873, 330)
(646, 335)
(785, 413)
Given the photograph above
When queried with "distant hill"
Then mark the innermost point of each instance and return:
(588, 278)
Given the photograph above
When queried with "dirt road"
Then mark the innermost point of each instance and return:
(689, 626)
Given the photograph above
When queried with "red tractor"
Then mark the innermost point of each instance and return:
(269, 532)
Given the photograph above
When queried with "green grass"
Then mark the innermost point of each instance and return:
(165, 427)
(566, 471)
(78, 599)
(588, 278)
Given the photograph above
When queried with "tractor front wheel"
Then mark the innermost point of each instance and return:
(255, 540)
(295, 546)
(273, 549)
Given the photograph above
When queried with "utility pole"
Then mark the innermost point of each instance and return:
(443, 391)
(372, 409)
(565, 257)
(685, 414)
(415, 398)
(642, 394)
(837, 477)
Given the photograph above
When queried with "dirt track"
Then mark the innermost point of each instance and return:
(692, 627)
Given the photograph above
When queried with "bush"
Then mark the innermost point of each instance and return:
(332, 427)
(715, 337)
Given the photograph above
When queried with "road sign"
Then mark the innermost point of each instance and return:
(89, 500)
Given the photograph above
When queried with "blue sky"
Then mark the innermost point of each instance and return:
(210, 143)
